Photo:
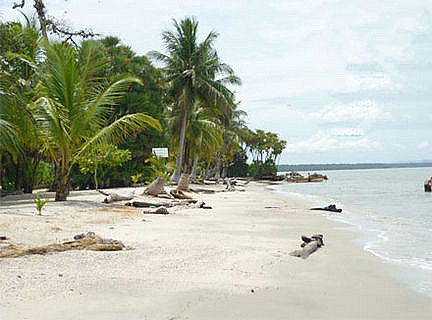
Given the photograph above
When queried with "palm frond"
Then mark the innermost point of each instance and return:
(120, 129)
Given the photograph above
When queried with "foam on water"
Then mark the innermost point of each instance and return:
(388, 208)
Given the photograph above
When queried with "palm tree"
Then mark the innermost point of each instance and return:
(193, 71)
(75, 105)
(203, 135)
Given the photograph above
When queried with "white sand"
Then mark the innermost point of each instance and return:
(195, 264)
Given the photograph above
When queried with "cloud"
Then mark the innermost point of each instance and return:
(324, 142)
(363, 110)
(347, 132)
(424, 144)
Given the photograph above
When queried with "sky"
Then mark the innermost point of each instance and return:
(342, 81)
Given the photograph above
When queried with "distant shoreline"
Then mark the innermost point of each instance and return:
(351, 166)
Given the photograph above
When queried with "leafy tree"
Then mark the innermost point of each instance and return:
(102, 159)
(75, 104)
(21, 146)
(265, 147)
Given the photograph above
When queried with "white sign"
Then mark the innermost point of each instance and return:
(160, 152)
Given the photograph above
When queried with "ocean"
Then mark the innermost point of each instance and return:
(389, 211)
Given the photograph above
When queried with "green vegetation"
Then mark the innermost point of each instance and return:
(86, 114)
(39, 203)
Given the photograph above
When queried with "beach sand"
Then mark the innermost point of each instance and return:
(231, 262)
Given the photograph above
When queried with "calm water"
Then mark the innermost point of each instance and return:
(390, 211)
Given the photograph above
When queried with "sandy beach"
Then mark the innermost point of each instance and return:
(230, 262)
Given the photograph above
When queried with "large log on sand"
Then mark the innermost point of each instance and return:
(113, 197)
(84, 241)
(178, 194)
(309, 246)
(156, 187)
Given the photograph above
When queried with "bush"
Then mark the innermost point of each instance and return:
(44, 175)
(259, 169)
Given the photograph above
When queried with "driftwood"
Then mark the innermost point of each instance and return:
(200, 190)
(156, 187)
(113, 197)
(230, 185)
(183, 184)
(142, 204)
(331, 208)
(160, 210)
(84, 241)
(309, 245)
(178, 194)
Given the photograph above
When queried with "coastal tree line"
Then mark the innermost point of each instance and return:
(86, 114)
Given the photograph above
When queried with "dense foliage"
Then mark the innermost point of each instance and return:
(73, 115)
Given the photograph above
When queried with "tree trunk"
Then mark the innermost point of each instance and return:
(218, 168)
(19, 174)
(95, 175)
(29, 174)
(40, 9)
(62, 182)
(156, 187)
(194, 168)
(176, 175)
(224, 171)
(183, 184)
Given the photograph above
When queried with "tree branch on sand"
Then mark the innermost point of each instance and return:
(84, 241)
(113, 197)
(309, 245)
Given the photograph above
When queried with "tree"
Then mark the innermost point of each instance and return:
(193, 70)
(75, 104)
(19, 55)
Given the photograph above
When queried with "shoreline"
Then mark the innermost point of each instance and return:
(377, 224)
(198, 264)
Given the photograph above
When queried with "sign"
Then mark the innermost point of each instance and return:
(160, 152)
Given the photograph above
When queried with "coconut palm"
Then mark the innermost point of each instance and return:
(203, 135)
(75, 105)
(193, 71)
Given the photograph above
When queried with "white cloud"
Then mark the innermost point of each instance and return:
(363, 110)
(424, 144)
(347, 132)
(322, 142)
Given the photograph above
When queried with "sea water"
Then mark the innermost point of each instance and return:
(388, 209)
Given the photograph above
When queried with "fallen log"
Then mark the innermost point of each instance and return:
(178, 194)
(160, 210)
(84, 241)
(309, 246)
(200, 190)
(156, 187)
(113, 197)
(331, 208)
(142, 204)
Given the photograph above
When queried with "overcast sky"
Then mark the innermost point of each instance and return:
(341, 81)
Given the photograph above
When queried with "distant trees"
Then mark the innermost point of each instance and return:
(265, 148)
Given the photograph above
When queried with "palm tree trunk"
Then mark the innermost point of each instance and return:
(62, 182)
(19, 174)
(218, 168)
(176, 175)
(194, 168)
